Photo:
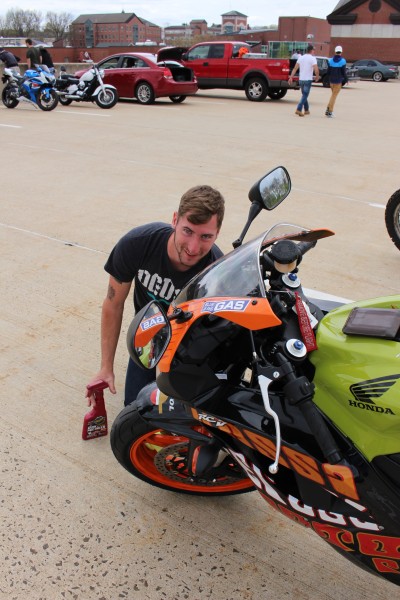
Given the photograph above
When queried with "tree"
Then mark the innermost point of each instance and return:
(23, 23)
(57, 24)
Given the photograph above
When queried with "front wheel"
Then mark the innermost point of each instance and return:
(177, 99)
(144, 93)
(392, 218)
(107, 98)
(64, 101)
(277, 94)
(326, 82)
(377, 76)
(161, 458)
(9, 97)
(256, 89)
(47, 99)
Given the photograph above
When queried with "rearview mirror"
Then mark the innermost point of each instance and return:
(148, 336)
(271, 189)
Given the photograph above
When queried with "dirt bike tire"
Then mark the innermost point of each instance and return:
(147, 452)
(7, 101)
(392, 218)
(45, 104)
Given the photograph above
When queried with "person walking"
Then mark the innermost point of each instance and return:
(337, 78)
(160, 259)
(307, 67)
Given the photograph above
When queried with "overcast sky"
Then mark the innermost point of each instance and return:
(176, 12)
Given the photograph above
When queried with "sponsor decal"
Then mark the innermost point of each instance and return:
(213, 306)
(210, 420)
(152, 322)
(367, 391)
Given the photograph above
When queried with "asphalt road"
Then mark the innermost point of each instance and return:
(74, 524)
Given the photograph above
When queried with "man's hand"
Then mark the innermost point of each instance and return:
(108, 377)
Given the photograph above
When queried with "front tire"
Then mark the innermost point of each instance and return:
(392, 218)
(177, 99)
(64, 101)
(326, 82)
(256, 89)
(47, 100)
(7, 97)
(377, 76)
(277, 94)
(106, 98)
(144, 93)
(160, 458)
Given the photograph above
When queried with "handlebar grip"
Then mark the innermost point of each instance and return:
(321, 432)
(306, 246)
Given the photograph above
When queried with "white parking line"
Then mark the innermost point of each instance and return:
(75, 112)
(53, 239)
(13, 126)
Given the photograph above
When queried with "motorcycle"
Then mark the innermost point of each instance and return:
(88, 88)
(392, 218)
(35, 86)
(260, 388)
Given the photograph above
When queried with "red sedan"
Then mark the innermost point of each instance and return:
(138, 75)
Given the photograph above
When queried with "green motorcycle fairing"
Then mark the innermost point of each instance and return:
(357, 381)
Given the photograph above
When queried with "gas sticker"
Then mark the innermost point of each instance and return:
(225, 305)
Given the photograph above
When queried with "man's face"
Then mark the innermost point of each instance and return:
(190, 243)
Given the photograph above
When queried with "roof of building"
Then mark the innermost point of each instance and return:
(233, 13)
(111, 18)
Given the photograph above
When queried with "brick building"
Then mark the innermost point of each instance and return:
(233, 21)
(120, 29)
(367, 29)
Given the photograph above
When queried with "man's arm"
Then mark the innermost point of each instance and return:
(111, 319)
(316, 71)
(293, 73)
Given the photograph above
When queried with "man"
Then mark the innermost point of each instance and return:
(32, 54)
(10, 60)
(160, 260)
(337, 78)
(307, 64)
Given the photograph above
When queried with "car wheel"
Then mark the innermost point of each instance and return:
(144, 93)
(325, 82)
(277, 94)
(256, 89)
(177, 99)
(377, 76)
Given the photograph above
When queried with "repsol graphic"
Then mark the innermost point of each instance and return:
(159, 287)
(366, 392)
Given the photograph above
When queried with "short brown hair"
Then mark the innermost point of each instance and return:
(202, 202)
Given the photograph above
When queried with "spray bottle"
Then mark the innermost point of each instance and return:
(95, 421)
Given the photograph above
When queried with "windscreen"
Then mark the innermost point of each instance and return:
(238, 273)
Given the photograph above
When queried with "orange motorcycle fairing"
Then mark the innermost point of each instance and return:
(250, 313)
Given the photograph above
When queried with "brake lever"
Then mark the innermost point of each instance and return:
(264, 383)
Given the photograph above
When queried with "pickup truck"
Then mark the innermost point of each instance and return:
(232, 65)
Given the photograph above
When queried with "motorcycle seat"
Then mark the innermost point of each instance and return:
(69, 78)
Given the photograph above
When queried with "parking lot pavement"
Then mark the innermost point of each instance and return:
(74, 524)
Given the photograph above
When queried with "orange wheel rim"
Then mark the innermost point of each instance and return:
(145, 453)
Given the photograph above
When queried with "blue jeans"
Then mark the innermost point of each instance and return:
(305, 87)
(136, 379)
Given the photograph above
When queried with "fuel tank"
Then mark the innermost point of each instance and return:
(357, 378)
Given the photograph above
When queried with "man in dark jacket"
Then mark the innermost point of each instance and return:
(10, 61)
(337, 77)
